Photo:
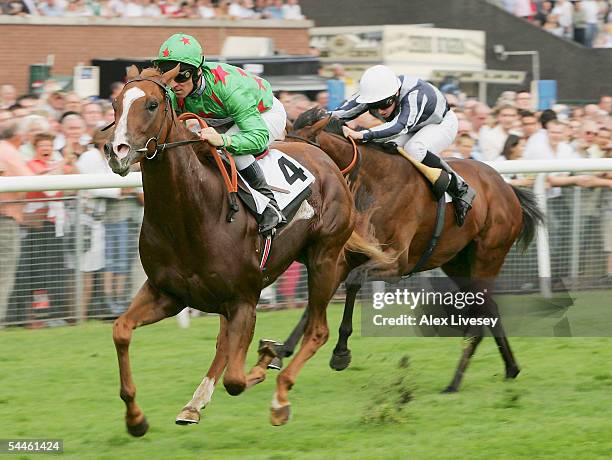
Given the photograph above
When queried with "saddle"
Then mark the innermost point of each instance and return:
(289, 196)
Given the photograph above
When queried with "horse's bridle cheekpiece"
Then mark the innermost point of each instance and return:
(152, 147)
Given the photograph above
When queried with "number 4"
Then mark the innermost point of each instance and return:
(291, 171)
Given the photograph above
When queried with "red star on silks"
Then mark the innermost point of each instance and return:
(261, 107)
(242, 72)
(206, 114)
(260, 83)
(219, 74)
(166, 52)
(185, 41)
(216, 99)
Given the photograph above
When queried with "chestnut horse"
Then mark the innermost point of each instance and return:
(193, 257)
(401, 208)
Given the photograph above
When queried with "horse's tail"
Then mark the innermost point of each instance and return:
(532, 216)
(359, 245)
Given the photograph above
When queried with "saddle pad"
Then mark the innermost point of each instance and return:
(282, 173)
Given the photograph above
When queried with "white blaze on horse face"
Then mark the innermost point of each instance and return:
(120, 138)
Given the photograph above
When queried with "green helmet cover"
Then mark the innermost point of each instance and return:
(181, 48)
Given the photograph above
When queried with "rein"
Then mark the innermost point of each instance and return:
(152, 147)
(353, 162)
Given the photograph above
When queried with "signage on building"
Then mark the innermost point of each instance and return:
(414, 50)
(485, 76)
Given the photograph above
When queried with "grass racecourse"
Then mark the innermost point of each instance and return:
(63, 383)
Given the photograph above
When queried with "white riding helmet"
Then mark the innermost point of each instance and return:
(377, 83)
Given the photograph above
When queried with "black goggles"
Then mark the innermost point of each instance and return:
(384, 104)
(183, 76)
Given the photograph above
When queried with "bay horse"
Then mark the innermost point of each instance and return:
(193, 257)
(399, 205)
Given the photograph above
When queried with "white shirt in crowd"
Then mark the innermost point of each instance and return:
(133, 10)
(491, 142)
(538, 148)
(292, 12)
(591, 10)
(564, 10)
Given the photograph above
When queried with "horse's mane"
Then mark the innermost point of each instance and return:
(311, 116)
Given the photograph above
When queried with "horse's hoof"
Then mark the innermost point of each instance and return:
(341, 361)
(139, 429)
(281, 415)
(449, 389)
(276, 364)
(512, 372)
(188, 416)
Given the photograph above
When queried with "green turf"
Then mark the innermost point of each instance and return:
(63, 383)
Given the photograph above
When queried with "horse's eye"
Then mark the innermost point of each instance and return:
(152, 106)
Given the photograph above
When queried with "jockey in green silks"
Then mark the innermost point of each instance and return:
(219, 90)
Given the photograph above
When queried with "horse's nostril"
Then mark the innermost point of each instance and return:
(123, 149)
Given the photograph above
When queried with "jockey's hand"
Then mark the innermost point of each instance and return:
(348, 132)
(211, 136)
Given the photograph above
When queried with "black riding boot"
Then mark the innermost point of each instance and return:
(272, 216)
(463, 195)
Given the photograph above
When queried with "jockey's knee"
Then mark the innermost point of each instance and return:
(243, 161)
(416, 149)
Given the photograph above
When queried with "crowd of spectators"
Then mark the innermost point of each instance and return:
(185, 9)
(588, 22)
(58, 133)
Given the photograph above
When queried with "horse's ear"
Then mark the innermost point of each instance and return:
(288, 126)
(132, 72)
(170, 74)
(320, 125)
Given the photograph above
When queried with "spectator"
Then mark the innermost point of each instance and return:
(73, 139)
(524, 9)
(117, 258)
(322, 99)
(258, 8)
(93, 259)
(133, 9)
(591, 12)
(11, 212)
(564, 11)
(523, 100)
(605, 104)
(543, 13)
(31, 126)
(513, 150)
(274, 9)
(492, 140)
(205, 9)
(465, 146)
(601, 144)
(292, 11)
(52, 8)
(92, 116)
(77, 8)
(580, 23)
(151, 9)
(44, 240)
(529, 123)
(55, 104)
(72, 102)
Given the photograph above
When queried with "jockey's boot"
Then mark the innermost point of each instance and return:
(463, 195)
(272, 215)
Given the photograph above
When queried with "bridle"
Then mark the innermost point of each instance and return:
(356, 153)
(152, 147)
